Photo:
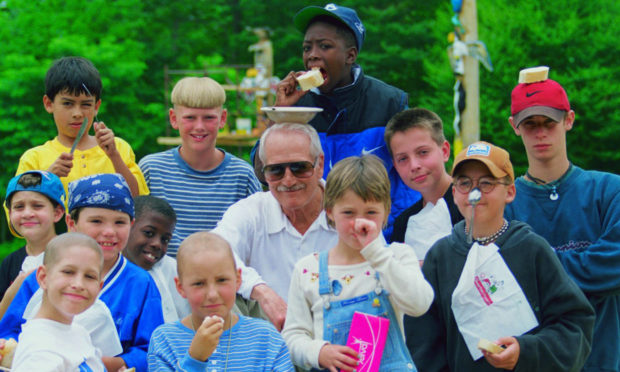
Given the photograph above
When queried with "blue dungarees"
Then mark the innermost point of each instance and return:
(337, 317)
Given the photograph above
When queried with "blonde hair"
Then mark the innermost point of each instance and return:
(198, 92)
(201, 241)
(54, 249)
(364, 175)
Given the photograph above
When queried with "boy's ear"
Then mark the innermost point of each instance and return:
(173, 118)
(351, 55)
(58, 212)
(97, 105)
(223, 117)
(569, 120)
(513, 125)
(48, 104)
(239, 276)
(329, 215)
(177, 283)
(42, 276)
(445, 151)
(70, 223)
(511, 193)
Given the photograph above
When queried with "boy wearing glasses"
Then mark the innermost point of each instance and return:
(199, 180)
(577, 211)
(270, 231)
(562, 330)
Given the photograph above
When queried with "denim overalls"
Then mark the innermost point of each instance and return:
(337, 317)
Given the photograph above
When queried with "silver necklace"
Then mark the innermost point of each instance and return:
(191, 318)
(493, 237)
(553, 185)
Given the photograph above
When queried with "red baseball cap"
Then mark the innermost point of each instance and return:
(545, 97)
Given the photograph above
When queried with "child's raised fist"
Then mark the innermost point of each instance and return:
(365, 231)
(207, 337)
(105, 138)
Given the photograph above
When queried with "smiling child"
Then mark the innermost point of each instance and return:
(71, 280)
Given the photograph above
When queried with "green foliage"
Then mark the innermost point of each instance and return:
(130, 41)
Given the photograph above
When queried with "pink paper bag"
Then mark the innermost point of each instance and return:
(367, 336)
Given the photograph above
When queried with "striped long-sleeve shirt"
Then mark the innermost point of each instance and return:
(198, 198)
(254, 345)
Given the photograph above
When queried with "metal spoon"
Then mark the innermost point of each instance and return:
(473, 198)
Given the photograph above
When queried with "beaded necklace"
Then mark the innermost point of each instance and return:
(553, 185)
(493, 237)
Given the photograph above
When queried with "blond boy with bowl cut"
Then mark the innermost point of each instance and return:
(198, 179)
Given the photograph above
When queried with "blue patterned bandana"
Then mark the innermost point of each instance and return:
(109, 191)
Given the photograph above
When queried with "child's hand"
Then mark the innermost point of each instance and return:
(365, 231)
(62, 165)
(334, 357)
(287, 93)
(508, 358)
(105, 138)
(206, 339)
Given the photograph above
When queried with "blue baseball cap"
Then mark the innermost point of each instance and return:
(345, 15)
(50, 186)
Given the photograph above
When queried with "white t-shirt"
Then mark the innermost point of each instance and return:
(97, 320)
(47, 345)
(174, 306)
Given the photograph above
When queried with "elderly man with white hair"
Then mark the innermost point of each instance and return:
(270, 231)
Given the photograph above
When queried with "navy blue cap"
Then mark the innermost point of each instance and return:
(345, 15)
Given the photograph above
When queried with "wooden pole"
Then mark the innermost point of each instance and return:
(470, 127)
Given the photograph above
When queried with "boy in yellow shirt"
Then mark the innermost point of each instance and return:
(72, 94)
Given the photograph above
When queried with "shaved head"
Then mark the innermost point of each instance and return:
(200, 242)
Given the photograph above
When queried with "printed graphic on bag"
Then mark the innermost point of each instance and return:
(367, 337)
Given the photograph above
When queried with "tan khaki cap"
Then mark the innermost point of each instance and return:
(495, 158)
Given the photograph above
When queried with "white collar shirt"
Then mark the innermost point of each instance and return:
(264, 239)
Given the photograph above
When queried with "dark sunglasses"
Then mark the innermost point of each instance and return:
(300, 169)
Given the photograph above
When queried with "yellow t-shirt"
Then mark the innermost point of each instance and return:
(85, 163)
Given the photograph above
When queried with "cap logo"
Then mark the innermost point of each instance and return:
(360, 27)
(478, 149)
(331, 6)
(531, 94)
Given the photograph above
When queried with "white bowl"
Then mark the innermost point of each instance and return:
(291, 114)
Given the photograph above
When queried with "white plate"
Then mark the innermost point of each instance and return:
(291, 114)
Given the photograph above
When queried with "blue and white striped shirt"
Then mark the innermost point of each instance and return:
(255, 345)
(198, 198)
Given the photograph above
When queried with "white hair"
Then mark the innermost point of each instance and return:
(315, 142)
